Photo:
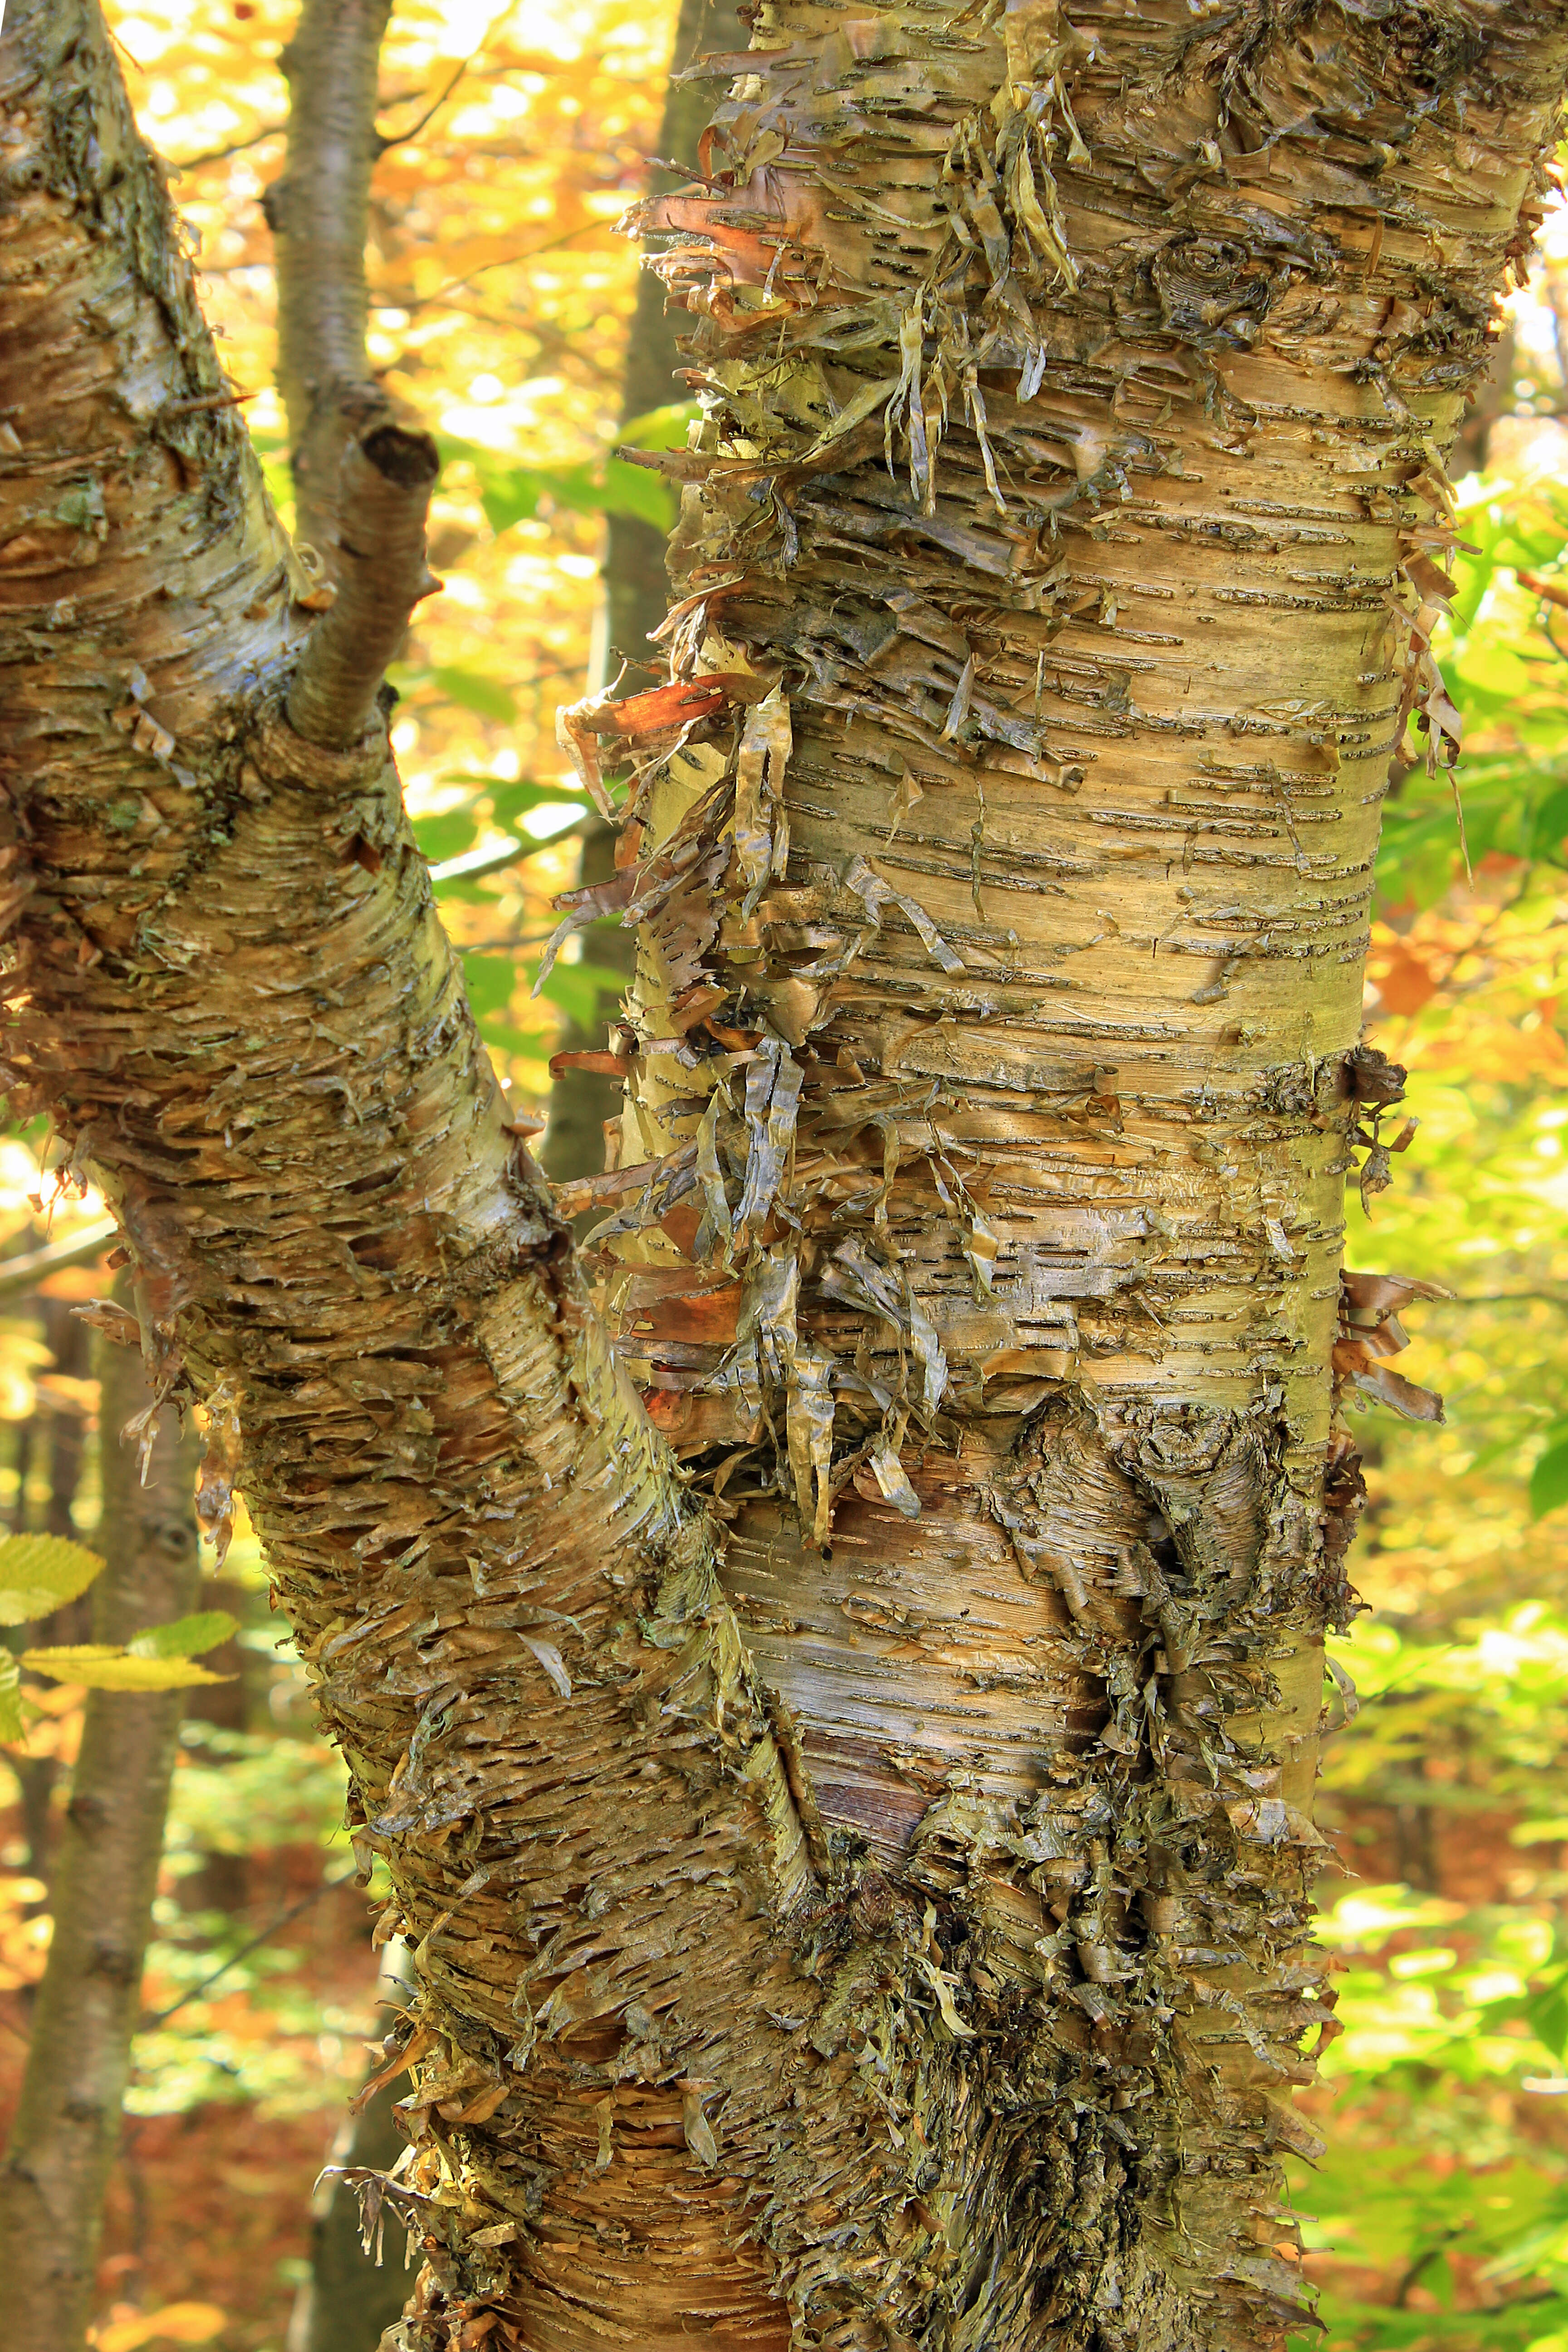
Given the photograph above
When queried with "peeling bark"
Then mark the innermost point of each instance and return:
(929, 1966)
(1062, 544)
(635, 592)
(67, 2131)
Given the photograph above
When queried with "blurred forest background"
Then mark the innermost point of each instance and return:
(501, 299)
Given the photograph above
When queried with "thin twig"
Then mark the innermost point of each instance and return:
(222, 154)
(473, 863)
(401, 138)
(19, 1274)
(162, 2016)
(501, 261)
(1508, 1299)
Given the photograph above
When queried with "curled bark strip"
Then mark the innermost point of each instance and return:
(1072, 458)
(944, 1987)
(387, 477)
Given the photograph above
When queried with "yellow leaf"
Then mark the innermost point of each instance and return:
(177, 2323)
(38, 1573)
(97, 1666)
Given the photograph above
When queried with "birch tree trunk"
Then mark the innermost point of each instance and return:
(859, 1874)
(67, 2132)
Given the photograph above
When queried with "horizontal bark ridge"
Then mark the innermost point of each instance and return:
(906, 1947)
(1058, 560)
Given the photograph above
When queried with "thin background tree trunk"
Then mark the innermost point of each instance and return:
(67, 2130)
(635, 591)
(317, 211)
(61, 1424)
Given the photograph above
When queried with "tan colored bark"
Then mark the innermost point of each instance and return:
(228, 979)
(318, 213)
(1066, 535)
(67, 2131)
(936, 1985)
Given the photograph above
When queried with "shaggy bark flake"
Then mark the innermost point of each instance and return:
(1065, 539)
(1058, 566)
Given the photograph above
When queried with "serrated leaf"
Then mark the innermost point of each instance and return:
(185, 1637)
(38, 1574)
(1549, 1481)
(97, 1666)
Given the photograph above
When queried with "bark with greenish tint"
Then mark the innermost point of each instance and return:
(858, 1879)
(67, 2130)
(37, 1775)
(636, 589)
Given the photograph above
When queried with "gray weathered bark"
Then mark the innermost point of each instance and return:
(63, 2144)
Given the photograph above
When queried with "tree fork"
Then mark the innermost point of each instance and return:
(254, 1028)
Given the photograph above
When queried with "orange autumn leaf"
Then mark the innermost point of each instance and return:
(1403, 983)
(176, 2323)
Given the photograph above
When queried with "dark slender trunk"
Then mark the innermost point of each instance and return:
(636, 594)
(67, 2124)
(352, 2292)
(61, 1425)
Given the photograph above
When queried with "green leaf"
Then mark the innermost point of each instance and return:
(485, 696)
(515, 494)
(1550, 829)
(661, 428)
(39, 1573)
(1549, 2021)
(636, 490)
(490, 980)
(10, 1696)
(97, 1665)
(509, 498)
(185, 1637)
(1549, 1480)
(580, 989)
(447, 835)
(508, 801)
